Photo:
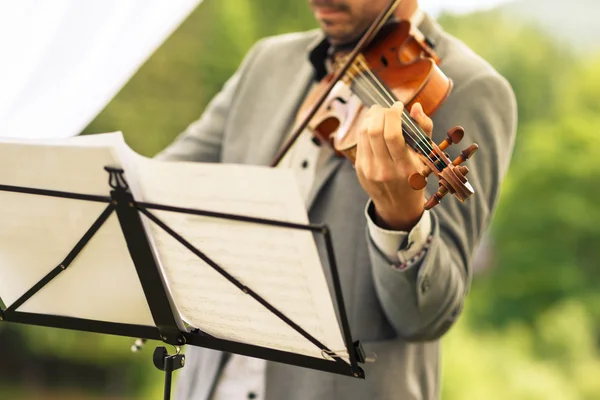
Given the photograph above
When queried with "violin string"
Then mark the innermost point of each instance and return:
(389, 101)
(381, 88)
(417, 143)
(375, 84)
(386, 101)
(410, 122)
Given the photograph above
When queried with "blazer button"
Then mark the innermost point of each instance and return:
(425, 284)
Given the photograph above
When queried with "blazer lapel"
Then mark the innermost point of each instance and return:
(294, 85)
(322, 176)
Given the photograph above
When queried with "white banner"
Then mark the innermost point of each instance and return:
(62, 61)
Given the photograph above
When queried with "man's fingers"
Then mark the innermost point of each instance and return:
(393, 136)
(375, 131)
(416, 112)
(364, 151)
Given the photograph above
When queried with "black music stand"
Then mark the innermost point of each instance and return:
(169, 328)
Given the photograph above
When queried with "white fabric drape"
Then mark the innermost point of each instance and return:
(62, 61)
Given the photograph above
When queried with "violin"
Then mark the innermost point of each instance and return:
(392, 62)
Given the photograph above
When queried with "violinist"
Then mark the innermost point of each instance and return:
(405, 268)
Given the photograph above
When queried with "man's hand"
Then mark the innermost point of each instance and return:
(384, 162)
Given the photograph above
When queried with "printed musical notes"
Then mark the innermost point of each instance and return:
(281, 265)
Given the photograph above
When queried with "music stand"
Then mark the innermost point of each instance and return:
(168, 326)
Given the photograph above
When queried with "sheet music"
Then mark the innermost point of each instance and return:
(38, 232)
(281, 265)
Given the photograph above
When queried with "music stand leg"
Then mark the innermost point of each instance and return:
(168, 375)
(168, 363)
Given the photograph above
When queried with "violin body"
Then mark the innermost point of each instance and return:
(392, 62)
(400, 62)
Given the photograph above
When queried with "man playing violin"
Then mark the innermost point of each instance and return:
(404, 270)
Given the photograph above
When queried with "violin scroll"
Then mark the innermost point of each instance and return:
(451, 174)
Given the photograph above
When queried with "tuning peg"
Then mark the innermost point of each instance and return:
(436, 198)
(466, 154)
(418, 180)
(454, 136)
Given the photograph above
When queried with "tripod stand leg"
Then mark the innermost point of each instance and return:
(168, 377)
(168, 363)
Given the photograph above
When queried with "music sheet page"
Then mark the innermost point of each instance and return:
(282, 265)
(38, 232)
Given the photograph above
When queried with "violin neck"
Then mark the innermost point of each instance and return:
(371, 91)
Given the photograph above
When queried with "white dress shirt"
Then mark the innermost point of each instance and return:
(245, 377)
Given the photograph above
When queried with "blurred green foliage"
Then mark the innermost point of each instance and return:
(531, 325)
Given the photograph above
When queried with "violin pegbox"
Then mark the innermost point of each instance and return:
(451, 174)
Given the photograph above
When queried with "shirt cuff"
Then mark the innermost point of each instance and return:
(400, 247)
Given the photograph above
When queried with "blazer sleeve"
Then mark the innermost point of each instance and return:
(201, 140)
(423, 301)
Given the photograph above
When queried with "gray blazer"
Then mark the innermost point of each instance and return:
(399, 315)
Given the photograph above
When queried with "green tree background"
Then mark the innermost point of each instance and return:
(531, 325)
